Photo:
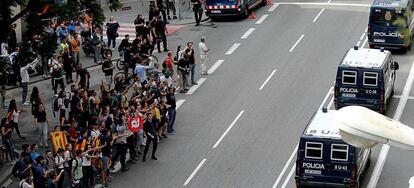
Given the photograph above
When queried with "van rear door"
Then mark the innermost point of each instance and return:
(346, 85)
(341, 162)
(370, 87)
(388, 26)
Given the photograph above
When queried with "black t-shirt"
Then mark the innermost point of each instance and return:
(106, 151)
(82, 74)
(146, 31)
(139, 29)
(160, 4)
(197, 5)
(41, 116)
(160, 27)
(107, 64)
(149, 127)
(112, 28)
(191, 59)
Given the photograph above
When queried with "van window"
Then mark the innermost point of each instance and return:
(313, 150)
(349, 77)
(370, 78)
(386, 17)
(339, 152)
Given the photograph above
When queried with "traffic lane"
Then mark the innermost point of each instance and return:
(398, 168)
(291, 117)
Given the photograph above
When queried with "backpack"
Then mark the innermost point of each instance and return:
(15, 171)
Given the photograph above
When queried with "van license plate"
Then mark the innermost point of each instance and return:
(379, 40)
(216, 11)
(352, 95)
(308, 171)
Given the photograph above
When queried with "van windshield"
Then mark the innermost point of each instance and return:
(385, 17)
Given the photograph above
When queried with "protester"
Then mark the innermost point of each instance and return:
(198, 11)
(108, 68)
(25, 81)
(13, 117)
(161, 33)
(191, 61)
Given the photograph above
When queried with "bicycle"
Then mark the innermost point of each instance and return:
(121, 78)
(151, 60)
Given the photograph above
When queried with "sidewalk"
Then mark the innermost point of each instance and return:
(26, 125)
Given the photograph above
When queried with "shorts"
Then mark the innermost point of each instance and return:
(105, 163)
(62, 113)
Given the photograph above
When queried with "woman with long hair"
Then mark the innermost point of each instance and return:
(35, 100)
(6, 131)
(13, 117)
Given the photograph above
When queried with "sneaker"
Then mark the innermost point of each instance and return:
(194, 83)
(169, 18)
(174, 17)
(22, 138)
(183, 91)
(113, 49)
(143, 159)
(125, 169)
(165, 136)
(154, 158)
(26, 104)
(204, 73)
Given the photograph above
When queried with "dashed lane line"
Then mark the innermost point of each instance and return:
(273, 7)
(267, 79)
(215, 66)
(261, 19)
(232, 48)
(195, 87)
(317, 16)
(247, 33)
(179, 103)
(296, 43)
(194, 172)
(228, 129)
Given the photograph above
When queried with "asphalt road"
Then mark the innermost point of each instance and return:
(240, 126)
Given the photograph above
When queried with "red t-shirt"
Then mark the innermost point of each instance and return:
(168, 63)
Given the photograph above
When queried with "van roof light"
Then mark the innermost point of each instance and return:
(324, 109)
(355, 47)
(382, 49)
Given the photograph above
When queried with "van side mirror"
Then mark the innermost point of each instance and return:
(396, 66)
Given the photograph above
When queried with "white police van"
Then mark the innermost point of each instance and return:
(365, 77)
(324, 159)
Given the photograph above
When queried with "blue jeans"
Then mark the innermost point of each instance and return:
(192, 70)
(9, 148)
(43, 133)
(139, 138)
(171, 119)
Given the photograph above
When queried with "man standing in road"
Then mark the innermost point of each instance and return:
(161, 32)
(183, 69)
(198, 10)
(139, 24)
(191, 60)
(203, 55)
(150, 130)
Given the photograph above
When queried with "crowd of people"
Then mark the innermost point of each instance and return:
(99, 126)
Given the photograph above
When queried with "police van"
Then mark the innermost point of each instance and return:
(391, 24)
(324, 159)
(365, 77)
(224, 8)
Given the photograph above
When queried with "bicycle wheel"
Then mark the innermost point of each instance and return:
(152, 59)
(120, 64)
(119, 78)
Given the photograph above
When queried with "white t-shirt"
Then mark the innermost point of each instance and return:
(24, 74)
(60, 104)
(59, 159)
(202, 48)
(86, 161)
(24, 184)
(15, 116)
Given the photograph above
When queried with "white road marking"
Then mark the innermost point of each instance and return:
(215, 66)
(330, 103)
(326, 4)
(232, 48)
(228, 129)
(326, 98)
(261, 19)
(289, 176)
(399, 96)
(179, 103)
(376, 173)
(286, 166)
(358, 43)
(329, 1)
(273, 7)
(362, 36)
(267, 79)
(297, 42)
(194, 172)
(247, 33)
(195, 87)
(363, 44)
(317, 16)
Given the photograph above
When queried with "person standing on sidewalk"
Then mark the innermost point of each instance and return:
(112, 31)
(183, 69)
(198, 11)
(25, 82)
(41, 125)
(75, 48)
(171, 8)
(191, 60)
(203, 55)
